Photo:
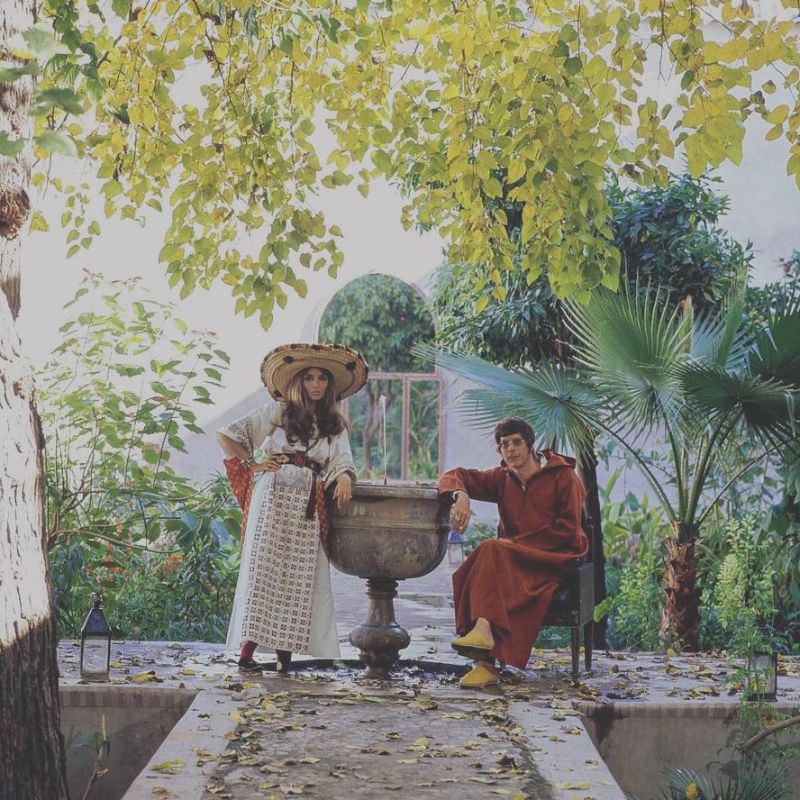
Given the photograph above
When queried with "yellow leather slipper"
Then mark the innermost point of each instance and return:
(473, 640)
(479, 677)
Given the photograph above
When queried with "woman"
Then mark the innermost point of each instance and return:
(281, 458)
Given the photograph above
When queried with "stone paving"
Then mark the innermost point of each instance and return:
(329, 733)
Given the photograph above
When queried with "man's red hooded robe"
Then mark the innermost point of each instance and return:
(511, 580)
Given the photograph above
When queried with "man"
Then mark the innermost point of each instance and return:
(503, 590)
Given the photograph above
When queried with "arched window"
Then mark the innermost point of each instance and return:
(383, 318)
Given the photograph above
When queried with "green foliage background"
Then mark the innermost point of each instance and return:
(668, 236)
(116, 401)
(385, 318)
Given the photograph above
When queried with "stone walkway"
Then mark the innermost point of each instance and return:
(329, 734)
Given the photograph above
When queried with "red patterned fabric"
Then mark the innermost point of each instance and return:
(241, 480)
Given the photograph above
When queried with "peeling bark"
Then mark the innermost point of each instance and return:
(31, 748)
(32, 763)
(15, 173)
(680, 622)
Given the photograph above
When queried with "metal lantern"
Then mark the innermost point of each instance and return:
(455, 548)
(762, 676)
(95, 643)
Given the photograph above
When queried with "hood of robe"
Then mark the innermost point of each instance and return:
(549, 459)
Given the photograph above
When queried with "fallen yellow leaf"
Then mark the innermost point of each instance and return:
(575, 785)
(170, 767)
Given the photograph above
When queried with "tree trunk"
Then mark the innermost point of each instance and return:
(32, 763)
(587, 469)
(680, 622)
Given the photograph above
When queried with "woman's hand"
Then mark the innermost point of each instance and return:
(343, 492)
(460, 513)
(270, 465)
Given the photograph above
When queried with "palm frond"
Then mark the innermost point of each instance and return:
(765, 405)
(679, 779)
(558, 405)
(776, 349)
(756, 780)
(719, 337)
(475, 369)
(552, 398)
(629, 344)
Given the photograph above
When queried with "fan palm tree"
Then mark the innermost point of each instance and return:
(648, 373)
(754, 780)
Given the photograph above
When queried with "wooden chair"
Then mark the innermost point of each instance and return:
(573, 607)
(574, 601)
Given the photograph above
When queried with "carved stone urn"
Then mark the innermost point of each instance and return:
(387, 534)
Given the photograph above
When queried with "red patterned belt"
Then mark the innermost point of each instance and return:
(316, 495)
(299, 460)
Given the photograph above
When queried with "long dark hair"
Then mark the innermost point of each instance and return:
(299, 415)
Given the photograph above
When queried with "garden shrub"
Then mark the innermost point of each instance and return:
(116, 400)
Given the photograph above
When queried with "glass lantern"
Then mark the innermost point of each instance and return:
(95, 643)
(762, 676)
(455, 548)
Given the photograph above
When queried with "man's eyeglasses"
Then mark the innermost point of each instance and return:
(517, 441)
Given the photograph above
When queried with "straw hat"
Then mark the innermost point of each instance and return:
(348, 367)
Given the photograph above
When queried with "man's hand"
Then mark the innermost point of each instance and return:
(343, 491)
(459, 512)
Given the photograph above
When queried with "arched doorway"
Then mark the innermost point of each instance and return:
(383, 317)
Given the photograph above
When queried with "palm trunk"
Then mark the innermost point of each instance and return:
(32, 763)
(587, 469)
(680, 621)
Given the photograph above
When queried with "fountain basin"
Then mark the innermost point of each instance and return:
(387, 534)
(395, 532)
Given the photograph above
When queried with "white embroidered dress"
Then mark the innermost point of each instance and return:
(283, 596)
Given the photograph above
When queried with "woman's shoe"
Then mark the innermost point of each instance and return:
(466, 645)
(250, 665)
(284, 661)
(479, 677)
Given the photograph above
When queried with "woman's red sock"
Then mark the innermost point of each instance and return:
(248, 648)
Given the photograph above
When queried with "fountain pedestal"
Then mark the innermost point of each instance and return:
(385, 535)
(380, 639)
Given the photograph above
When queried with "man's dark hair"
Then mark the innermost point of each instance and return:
(511, 425)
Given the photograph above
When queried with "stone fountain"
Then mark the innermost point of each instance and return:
(387, 534)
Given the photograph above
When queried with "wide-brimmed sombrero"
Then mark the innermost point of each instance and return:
(348, 367)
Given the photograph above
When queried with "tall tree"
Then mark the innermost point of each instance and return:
(31, 746)
(468, 105)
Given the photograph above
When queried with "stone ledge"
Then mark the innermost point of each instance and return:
(99, 695)
(202, 728)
